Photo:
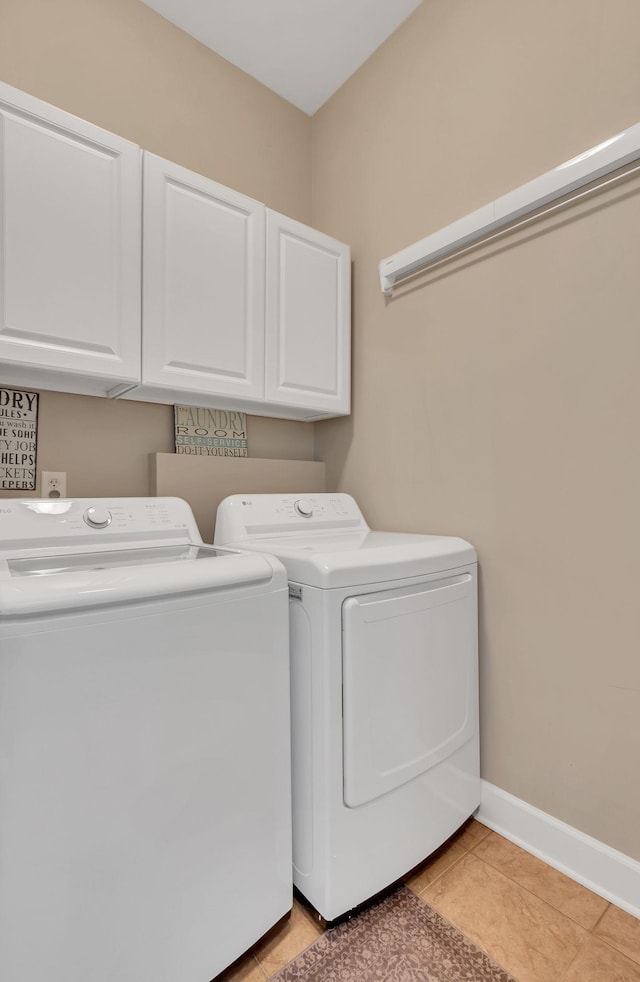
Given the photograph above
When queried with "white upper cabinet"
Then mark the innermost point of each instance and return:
(203, 287)
(151, 282)
(210, 256)
(308, 318)
(70, 250)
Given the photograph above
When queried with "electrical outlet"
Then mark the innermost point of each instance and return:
(53, 484)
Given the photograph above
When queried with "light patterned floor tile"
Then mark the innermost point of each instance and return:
(528, 937)
(287, 940)
(567, 896)
(429, 871)
(245, 970)
(622, 931)
(597, 962)
(471, 834)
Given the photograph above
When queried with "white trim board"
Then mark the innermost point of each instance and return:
(605, 871)
(592, 165)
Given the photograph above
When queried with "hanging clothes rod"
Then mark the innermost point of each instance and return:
(515, 226)
(506, 213)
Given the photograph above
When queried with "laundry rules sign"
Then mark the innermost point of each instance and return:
(18, 439)
(212, 432)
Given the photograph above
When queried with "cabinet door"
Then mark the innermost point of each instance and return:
(70, 245)
(308, 318)
(203, 284)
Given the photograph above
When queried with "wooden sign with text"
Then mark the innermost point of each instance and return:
(214, 432)
(18, 439)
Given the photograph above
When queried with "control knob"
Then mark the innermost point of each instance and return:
(304, 507)
(97, 517)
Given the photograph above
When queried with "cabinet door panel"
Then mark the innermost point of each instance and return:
(203, 275)
(70, 276)
(308, 317)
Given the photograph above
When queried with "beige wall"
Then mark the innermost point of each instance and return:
(103, 445)
(499, 400)
(122, 66)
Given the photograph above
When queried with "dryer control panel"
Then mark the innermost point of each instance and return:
(245, 516)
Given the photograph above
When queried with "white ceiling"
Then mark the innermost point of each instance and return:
(302, 49)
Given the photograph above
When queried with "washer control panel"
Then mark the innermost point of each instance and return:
(97, 517)
(112, 518)
(303, 507)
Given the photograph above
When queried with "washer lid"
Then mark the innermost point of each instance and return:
(328, 560)
(49, 584)
(79, 553)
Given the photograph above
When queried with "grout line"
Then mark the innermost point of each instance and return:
(260, 967)
(478, 842)
(442, 851)
(440, 874)
(537, 896)
(618, 951)
(435, 857)
(600, 918)
(480, 943)
(499, 869)
(279, 968)
(531, 893)
(477, 941)
(580, 947)
(603, 941)
(611, 943)
(457, 836)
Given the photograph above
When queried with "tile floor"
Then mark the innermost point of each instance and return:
(537, 923)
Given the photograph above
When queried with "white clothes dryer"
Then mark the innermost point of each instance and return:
(384, 667)
(145, 828)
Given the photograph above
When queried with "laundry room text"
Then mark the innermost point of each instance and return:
(213, 432)
(18, 439)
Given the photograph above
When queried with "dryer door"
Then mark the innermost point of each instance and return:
(409, 681)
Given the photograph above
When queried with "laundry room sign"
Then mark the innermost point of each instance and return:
(211, 432)
(18, 439)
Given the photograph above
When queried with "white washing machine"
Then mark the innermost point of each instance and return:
(145, 827)
(384, 668)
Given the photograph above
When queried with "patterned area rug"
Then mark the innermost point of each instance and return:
(398, 939)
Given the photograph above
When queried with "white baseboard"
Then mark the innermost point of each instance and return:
(609, 873)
